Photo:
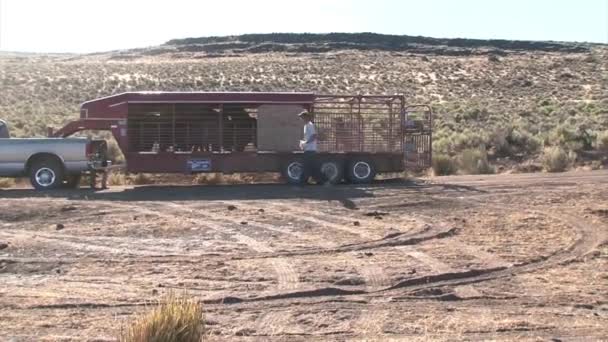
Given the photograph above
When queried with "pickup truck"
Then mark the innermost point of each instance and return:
(50, 163)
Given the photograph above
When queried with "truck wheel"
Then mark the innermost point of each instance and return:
(330, 171)
(293, 172)
(46, 174)
(72, 182)
(360, 171)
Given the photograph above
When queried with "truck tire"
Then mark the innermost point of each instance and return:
(293, 171)
(360, 171)
(72, 182)
(329, 171)
(46, 174)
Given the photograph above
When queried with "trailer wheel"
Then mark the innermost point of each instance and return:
(293, 172)
(46, 174)
(330, 171)
(360, 171)
(72, 181)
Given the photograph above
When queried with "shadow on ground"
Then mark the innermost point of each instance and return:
(343, 193)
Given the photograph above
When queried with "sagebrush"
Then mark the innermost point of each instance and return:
(443, 165)
(555, 159)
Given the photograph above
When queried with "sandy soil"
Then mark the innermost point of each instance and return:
(470, 257)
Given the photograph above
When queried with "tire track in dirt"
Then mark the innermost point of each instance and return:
(85, 247)
(314, 240)
(287, 277)
(587, 242)
(316, 212)
(314, 218)
(589, 239)
(373, 275)
(372, 319)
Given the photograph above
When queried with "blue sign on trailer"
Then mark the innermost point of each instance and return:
(199, 165)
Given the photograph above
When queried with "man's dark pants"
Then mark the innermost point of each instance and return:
(310, 165)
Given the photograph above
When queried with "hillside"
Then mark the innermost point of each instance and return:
(509, 97)
(308, 42)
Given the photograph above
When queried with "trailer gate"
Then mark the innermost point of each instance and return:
(375, 124)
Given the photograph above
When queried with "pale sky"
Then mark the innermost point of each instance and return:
(102, 25)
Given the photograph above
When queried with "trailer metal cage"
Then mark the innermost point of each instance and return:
(164, 131)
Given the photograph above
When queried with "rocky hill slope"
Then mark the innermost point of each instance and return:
(504, 99)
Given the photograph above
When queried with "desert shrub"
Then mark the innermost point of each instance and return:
(523, 142)
(499, 143)
(141, 179)
(513, 141)
(555, 159)
(469, 139)
(442, 145)
(6, 183)
(443, 165)
(570, 138)
(475, 161)
(174, 319)
(601, 142)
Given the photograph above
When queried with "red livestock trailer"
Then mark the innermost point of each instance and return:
(230, 132)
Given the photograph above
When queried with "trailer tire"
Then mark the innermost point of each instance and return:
(360, 171)
(329, 171)
(72, 181)
(293, 171)
(46, 174)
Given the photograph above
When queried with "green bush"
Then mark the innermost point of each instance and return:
(475, 161)
(555, 159)
(443, 165)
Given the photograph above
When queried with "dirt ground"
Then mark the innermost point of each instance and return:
(505, 257)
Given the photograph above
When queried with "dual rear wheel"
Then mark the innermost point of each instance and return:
(332, 171)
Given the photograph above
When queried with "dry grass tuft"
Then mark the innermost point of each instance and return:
(6, 183)
(116, 178)
(208, 178)
(174, 319)
(142, 179)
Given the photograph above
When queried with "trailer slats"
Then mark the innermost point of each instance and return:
(348, 124)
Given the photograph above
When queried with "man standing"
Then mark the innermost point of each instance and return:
(308, 145)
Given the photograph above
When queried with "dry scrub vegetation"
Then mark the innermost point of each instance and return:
(510, 106)
(174, 319)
